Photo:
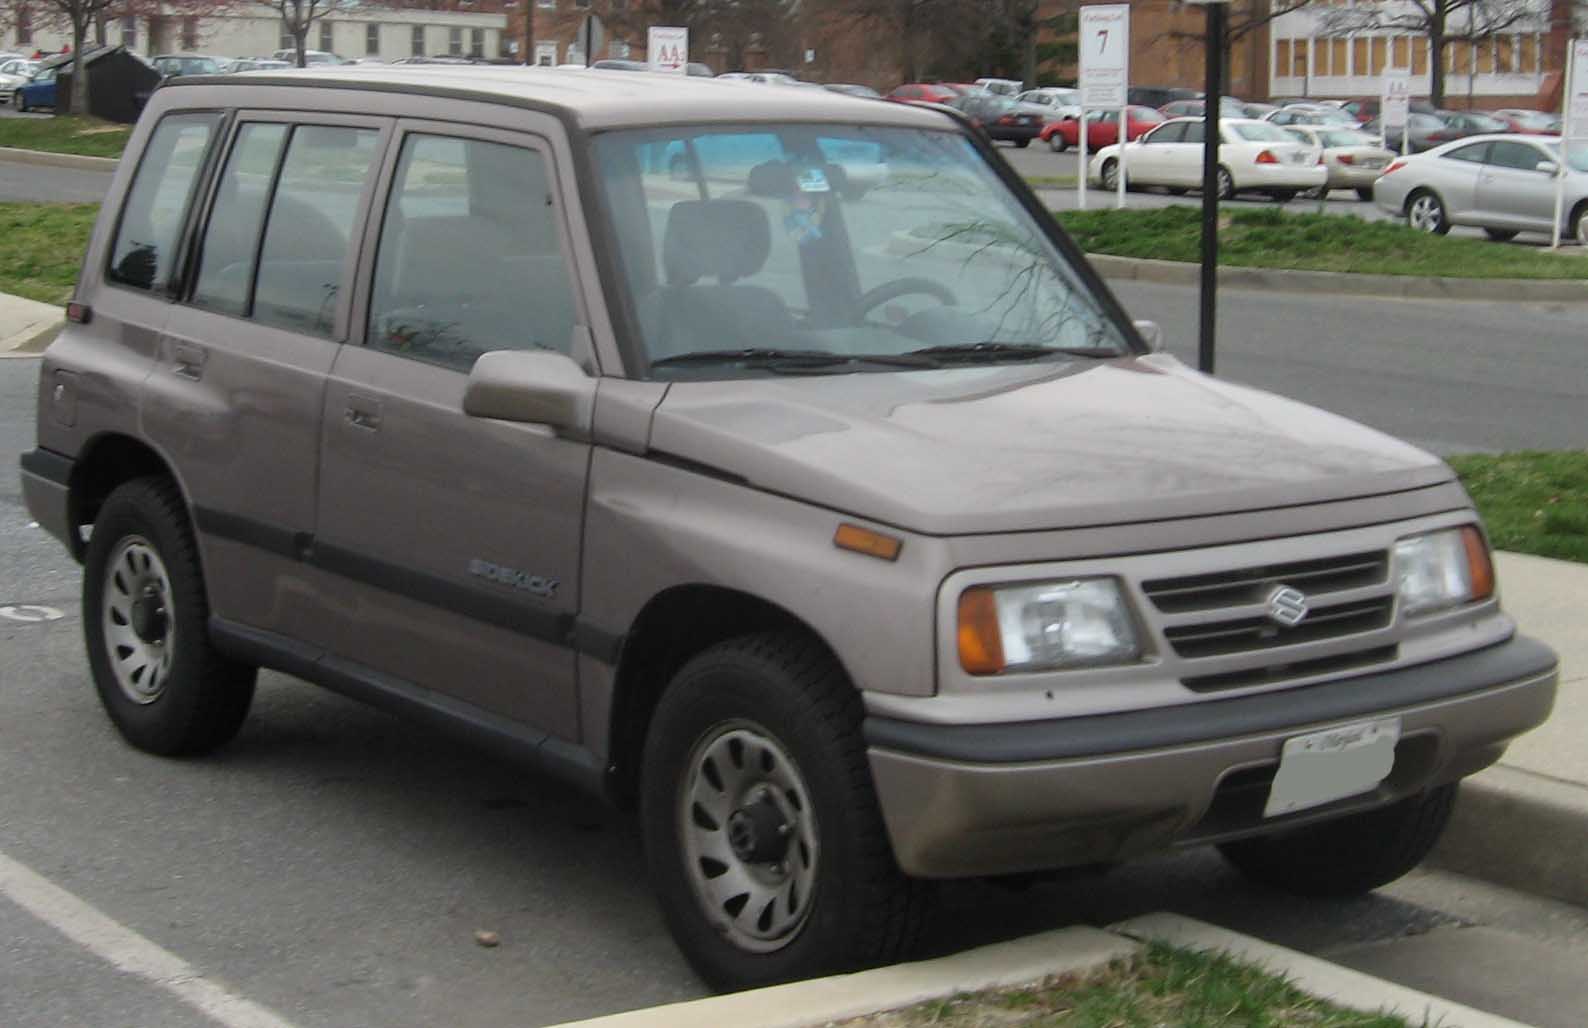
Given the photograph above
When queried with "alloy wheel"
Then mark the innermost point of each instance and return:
(1425, 214)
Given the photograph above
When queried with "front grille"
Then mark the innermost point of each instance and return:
(1219, 628)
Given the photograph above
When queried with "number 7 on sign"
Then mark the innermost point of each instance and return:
(1102, 40)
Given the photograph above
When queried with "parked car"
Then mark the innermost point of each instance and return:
(39, 91)
(851, 89)
(1310, 114)
(1354, 159)
(14, 74)
(1422, 132)
(1157, 96)
(1366, 109)
(1003, 87)
(1060, 102)
(173, 65)
(1228, 108)
(1254, 156)
(310, 57)
(1255, 109)
(853, 552)
(1517, 121)
(259, 64)
(923, 92)
(1503, 184)
(764, 78)
(1102, 128)
(1001, 117)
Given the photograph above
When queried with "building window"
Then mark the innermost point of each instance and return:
(455, 42)
(476, 42)
(1402, 52)
(189, 32)
(416, 40)
(372, 39)
(1281, 57)
(1380, 45)
(1337, 57)
(325, 36)
(286, 42)
(1301, 58)
(1420, 56)
(583, 5)
(24, 26)
(1359, 56)
(545, 3)
(129, 33)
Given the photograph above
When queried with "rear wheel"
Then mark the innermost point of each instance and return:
(762, 830)
(22, 103)
(1425, 213)
(1057, 144)
(1500, 235)
(1365, 194)
(1349, 855)
(145, 623)
(1021, 144)
(1579, 224)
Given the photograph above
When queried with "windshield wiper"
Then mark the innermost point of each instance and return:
(802, 358)
(1007, 351)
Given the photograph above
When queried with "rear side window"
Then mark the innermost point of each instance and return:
(226, 263)
(1475, 153)
(470, 259)
(304, 254)
(143, 255)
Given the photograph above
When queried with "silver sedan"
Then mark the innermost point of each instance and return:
(1355, 159)
(1503, 184)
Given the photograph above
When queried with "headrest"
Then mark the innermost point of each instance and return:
(730, 239)
(778, 178)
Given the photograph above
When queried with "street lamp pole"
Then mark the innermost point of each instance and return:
(1212, 104)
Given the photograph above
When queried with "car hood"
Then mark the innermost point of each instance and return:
(1030, 446)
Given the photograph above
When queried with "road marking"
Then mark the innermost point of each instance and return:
(30, 612)
(128, 951)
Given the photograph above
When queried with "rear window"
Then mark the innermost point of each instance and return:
(1261, 132)
(143, 254)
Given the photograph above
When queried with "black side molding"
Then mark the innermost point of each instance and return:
(48, 465)
(1519, 659)
(507, 738)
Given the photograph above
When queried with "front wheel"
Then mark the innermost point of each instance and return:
(1426, 213)
(1226, 184)
(1501, 235)
(145, 623)
(762, 831)
(1365, 194)
(1350, 855)
(1109, 174)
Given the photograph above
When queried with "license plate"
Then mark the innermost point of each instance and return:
(1322, 767)
(1372, 164)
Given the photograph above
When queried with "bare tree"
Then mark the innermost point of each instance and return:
(298, 16)
(1442, 21)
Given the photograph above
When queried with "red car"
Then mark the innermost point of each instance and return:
(923, 92)
(1102, 128)
(1530, 123)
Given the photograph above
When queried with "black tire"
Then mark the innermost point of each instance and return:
(1176, 190)
(1365, 194)
(1057, 143)
(1108, 174)
(197, 699)
(1226, 184)
(1579, 224)
(1501, 235)
(1021, 144)
(1350, 855)
(1425, 212)
(1282, 195)
(22, 104)
(861, 910)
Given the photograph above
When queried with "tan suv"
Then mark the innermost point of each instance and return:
(854, 535)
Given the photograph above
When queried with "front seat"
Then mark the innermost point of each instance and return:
(726, 240)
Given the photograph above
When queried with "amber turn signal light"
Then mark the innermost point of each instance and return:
(981, 647)
(1480, 568)
(864, 540)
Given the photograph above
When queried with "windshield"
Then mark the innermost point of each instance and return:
(838, 244)
(1335, 138)
(1262, 132)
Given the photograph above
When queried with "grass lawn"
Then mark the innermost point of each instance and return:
(1164, 986)
(65, 134)
(1271, 238)
(43, 246)
(1532, 502)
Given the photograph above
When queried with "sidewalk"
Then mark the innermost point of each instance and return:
(1522, 823)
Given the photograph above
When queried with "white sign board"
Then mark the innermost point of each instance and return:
(667, 49)
(1576, 106)
(1105, 55)
(1395, 98)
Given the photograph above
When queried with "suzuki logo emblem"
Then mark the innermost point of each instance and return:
(1287, 606)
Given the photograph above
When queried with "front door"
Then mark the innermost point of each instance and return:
(460, 536)
(1512, 191)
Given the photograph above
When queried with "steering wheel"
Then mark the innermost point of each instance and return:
(907, 286)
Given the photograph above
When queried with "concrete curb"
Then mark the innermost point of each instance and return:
(1405, 287)
(17, 155)
(821, 1000)
(1520, 830)
(27, 326)
(1312, 975)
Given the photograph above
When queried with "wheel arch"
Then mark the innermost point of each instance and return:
(107, 461)
(674, 626)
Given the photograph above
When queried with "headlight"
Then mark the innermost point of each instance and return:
(1079, 623)
(1442, 570)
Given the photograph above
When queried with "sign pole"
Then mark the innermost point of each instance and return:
(1571, 127)
(1104, 49)
(1123, 137)
(1212, 107)
(1080, 180)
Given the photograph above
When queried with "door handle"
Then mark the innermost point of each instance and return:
(188, 363)
(362, 412)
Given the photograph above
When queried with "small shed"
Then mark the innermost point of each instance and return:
(119, 83)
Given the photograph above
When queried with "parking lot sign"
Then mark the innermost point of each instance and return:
(1577, 91)
(1105, 55)
(667, 49)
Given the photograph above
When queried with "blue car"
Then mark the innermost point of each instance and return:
(38, 93)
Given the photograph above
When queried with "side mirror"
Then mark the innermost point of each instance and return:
(537, 387)
(1151, 333)
(1547, 168)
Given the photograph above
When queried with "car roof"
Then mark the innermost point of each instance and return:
(594, 99)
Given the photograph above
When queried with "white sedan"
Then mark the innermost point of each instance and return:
(1253, 155)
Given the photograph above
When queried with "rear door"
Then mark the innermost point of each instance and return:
(459, 537)
(238, 384)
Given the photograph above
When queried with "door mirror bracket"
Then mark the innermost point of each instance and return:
(540, 387)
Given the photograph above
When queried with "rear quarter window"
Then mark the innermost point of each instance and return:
(143, 253)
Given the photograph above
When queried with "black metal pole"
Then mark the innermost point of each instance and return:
(1212, 107)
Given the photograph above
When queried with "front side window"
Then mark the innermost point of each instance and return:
(311, 217)
(1173, 132)
(1509, 154)
(856, 248)
(143, 255)
(470, 258)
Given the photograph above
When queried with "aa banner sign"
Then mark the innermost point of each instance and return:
(667, 49)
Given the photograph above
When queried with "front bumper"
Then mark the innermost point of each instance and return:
(966, 800)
